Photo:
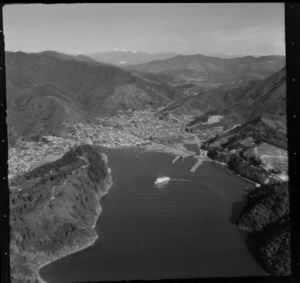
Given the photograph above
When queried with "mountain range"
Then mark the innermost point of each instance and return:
(48, 88)
(205, 69)
(124, 57)
(237, 105)
(63, 56)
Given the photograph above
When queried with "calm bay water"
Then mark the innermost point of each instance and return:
(182, 229)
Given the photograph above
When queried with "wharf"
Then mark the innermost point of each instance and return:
(196, 165)
(176, 158)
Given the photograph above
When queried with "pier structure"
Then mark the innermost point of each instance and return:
(197, 164)
(176, 158)
(200, 158)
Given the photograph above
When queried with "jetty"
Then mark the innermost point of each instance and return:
(197, 164)
(176, 158)
(200, 158)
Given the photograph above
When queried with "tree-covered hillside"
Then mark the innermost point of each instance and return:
(53, 210)
(266, 216)
(45, 89)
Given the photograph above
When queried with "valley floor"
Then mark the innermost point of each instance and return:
(140, 128)
(144, 129)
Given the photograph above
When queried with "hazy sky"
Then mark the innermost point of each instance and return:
(254, 28)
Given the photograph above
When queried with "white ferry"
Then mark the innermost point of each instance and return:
(161, 180)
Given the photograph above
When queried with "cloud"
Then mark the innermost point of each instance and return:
(251, 40)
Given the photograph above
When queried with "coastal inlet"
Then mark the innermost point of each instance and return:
(183, 229)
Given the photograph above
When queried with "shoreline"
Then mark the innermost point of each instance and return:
(157, 148)
(257, 185)
(154, 147)
(107, 185)
(167, 149)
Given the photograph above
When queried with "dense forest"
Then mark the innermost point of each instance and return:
(54, 208)
(266, 216)
(248, 167)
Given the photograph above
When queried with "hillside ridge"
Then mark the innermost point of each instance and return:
(46, 90)
(54, 209)
(206, 69)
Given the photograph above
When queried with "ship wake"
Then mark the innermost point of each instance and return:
(181, 180)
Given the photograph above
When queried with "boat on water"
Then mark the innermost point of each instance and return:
(161, 180)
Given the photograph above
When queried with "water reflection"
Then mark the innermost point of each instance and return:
(161, 186)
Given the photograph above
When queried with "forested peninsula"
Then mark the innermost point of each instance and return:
(266, 217)
(54, 209)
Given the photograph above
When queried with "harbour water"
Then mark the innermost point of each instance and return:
(181, 229)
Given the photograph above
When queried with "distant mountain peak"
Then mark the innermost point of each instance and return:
(63, 56)
(120, 56)
(124, 50)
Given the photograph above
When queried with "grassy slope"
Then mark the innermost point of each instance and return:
(232, 148)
